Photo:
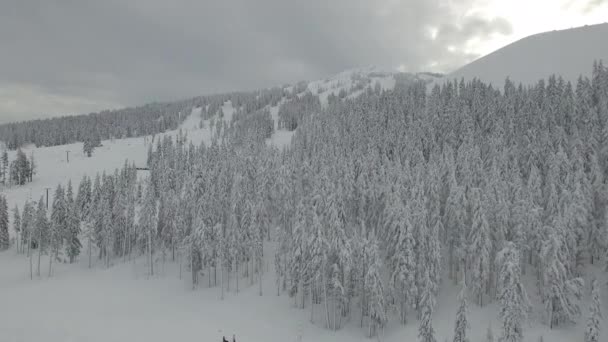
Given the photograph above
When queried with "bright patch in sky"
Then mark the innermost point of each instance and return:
(528, 17)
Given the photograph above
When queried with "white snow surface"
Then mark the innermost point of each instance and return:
(280, 137)
(122, 303)
(568, 53)
(347, 79)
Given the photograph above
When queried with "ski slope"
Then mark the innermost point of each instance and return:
(53, 166)
(566, 52)
(346, 80)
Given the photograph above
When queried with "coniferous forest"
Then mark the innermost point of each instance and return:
(379, 201)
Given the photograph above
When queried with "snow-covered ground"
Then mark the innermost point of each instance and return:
(123, 304)
(346, 80)
(566, 52)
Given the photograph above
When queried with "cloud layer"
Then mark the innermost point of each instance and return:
(71, 56)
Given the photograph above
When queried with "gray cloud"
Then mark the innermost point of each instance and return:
(592, 4)
(70, 56)
(586, 6)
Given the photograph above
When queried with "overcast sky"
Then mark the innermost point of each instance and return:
(62, 57)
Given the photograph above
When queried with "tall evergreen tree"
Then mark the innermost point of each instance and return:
(72, 229)
(4, 166)
(560, 292)
(480, 248)
(148, 222)
(594, 320)
(42, 231)
(402, 262)
(4, 236)
(58, 225)
(514, 304)
(462, 323)
(426, 332)
(17, 227)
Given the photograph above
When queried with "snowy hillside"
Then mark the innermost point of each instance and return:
(568, 53)
(267, 227)
(354, 81)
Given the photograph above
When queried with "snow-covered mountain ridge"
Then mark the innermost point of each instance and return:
(568, 53)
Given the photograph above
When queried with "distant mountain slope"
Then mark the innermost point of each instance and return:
(568, 53)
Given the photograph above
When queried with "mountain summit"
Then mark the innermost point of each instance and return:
(565, 52)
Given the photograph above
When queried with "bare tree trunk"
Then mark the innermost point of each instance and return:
(192, 268)
(228, 274)
(29, 244)
(260, 273)
(172, 248)
(327, 323)
(90, 245)
(302, 289)
(335, 310)
(312, 301)
(30, 257)
(39, 252)
(278, 285)
(150, 252)
(51, 253)
(252, 271)
(362, 309)
(222, 277)
(124, 245)
(129, 248)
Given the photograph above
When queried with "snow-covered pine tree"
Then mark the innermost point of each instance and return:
(594, 320)
(72, 230)
(31, 171)
(317, 253)
(42, 231)
(462, 323)
(28, 223)
(58, 225)
(90, 142)
(4, 165)
(17, 228)
(402, 262)
(297, 260)
(480, 248)
(560, 293)
(374, 288)
(84, 198)
(4, 236)
(148, 222)
(426, 332)
(455, 221)
(514, 304)
(341, 256)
